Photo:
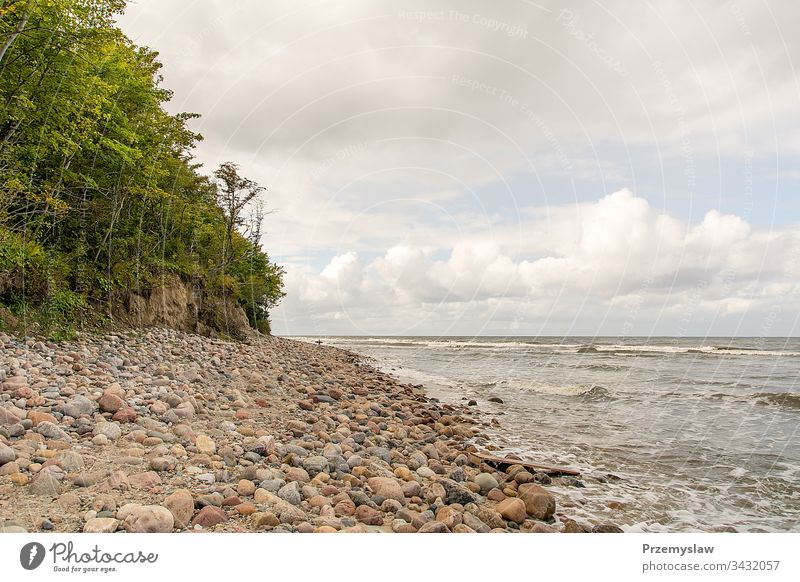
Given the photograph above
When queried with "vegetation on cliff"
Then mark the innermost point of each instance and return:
(99, 194)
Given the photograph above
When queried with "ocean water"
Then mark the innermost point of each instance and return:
(681, 434)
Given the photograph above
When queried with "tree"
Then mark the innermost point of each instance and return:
(234, 193)
(99, 193)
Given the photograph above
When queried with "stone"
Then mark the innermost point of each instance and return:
(315, 464)
(387, 488)
(110, 430)
(449, 515)
(345, 508)
(148, 519)
(475, 524)
(165, 463)
(291, 493)
(210, 516)
(512, 509)
(606, 528)
(490, 517)
(100, 440)
(87, 479)
(246, 488)
(205, 445)
(180, 503)
(495, 495)
(125, 415)
(539, 503)
(486, 482)
(246, 508)
(104, 503)
(434, 527)
(456, 493)
(101, 525)
(118, 480)
(267, 519)
(411, 489)
(37, 417)
(45, 484)
(366, 514)
(572, 526)
(145, 480)
(70, 461)
(78, 406)
(7, 417)
(7, 454)
(536, 527)
(110, 402)
(19, 479)
(50, 431)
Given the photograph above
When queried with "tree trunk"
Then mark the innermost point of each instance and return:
(17, 31)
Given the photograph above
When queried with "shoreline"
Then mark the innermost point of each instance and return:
(160, 431)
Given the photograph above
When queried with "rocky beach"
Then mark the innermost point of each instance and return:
(162, 431)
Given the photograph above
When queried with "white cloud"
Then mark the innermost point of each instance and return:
(432, 150)
(622, 254)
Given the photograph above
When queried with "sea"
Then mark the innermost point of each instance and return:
(670, 434)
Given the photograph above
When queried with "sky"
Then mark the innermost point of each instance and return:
(506, 168)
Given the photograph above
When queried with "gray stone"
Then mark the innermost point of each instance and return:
(457, 493)
(7, 417)
(149, 519)
(315, 465)
(50, 431)
(45, 484)
(70, 461)
(272, 485)
(291, 493)
(7, 454)
(79, 405)
(486, 482)
(111, 430)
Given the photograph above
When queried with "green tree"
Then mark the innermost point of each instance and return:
(99, 193)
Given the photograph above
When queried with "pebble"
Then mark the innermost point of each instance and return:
(110, 402)
(210, 516)
(101, 525)
(387, 488)
(7, 454)
(246, 488)
(434, 527)
(149, 519)
(51, 431)
(45, 484)
(111, 430)
(539, 503)
(368, 515)
(181, 504)
(313, 441)
(205, 445)
(512, 509)
(486, 482)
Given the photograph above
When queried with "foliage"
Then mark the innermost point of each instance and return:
(98, 188)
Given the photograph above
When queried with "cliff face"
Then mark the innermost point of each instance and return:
(178, 305)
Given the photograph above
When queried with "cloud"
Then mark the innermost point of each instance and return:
(621, 253)
(440, 165)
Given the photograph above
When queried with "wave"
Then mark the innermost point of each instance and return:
(532, 346)
(783, 399)
(601, 366)
(621, 349)
(594, 391)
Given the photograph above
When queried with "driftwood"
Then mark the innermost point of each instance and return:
(503, 463)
